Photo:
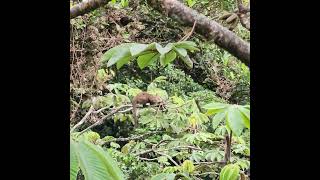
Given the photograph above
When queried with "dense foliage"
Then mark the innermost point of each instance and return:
(202, 131)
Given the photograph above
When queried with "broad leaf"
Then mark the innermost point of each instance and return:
(230, 172)
(107, 55)
(245, 116)
(123, 61)
(147, 59)
(216, 120)
(214, 108)
(169, 57)
(187, 61)
(74, 163)
(234, 120)
(164, 50)
(181, 51)
(96, 164)
(122, 54)
(186, 45)
(137, 49)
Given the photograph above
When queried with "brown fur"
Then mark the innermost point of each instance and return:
(143, 98)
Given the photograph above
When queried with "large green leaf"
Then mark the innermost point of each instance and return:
(74, 163)
(144, 49)
(122, 55)
(167, 58)
(123, 61)
(230, 172)
(234, 120)
(245, 116)
(164, 50)
(186, 45)
(181, 51)
(187, 61)
(217, 119)
(107, 55)
(137, 49)
(147, 59)
(214, 108)
(96, 164)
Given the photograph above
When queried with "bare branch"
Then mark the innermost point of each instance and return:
(82, 120)
(190, 33)
(169, 157)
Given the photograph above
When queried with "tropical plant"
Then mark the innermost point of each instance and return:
(93, 162)
(147, 54)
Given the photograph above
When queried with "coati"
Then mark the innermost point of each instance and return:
(143, 98)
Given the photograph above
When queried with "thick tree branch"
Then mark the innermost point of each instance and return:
(85, 7)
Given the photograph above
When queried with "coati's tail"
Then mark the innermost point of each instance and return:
(134, 113)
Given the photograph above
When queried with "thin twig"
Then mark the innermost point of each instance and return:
(169, 157)
(147, 159)
(189, 34)
(82, 120)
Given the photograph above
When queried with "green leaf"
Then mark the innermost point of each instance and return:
(217, 119)
(97, 164)
(164, 50)
(181, 51)
(188, 166)
(147, 59)
(214, 108)
(123, 61)
(187, 61)
(245, 116)
(137, 49)
(234, 120)
(107, 55)
(122, 55)
(189, 45)
(167, 58)
(74, 163)
(230, 172)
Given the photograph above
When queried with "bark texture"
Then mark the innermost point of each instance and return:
(210, 29)
(85, 7)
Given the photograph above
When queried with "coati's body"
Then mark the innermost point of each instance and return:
(143, 98)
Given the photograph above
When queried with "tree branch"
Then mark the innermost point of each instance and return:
(82, 120)
(85, 7)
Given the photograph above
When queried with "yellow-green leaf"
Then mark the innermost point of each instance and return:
(147, 59)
